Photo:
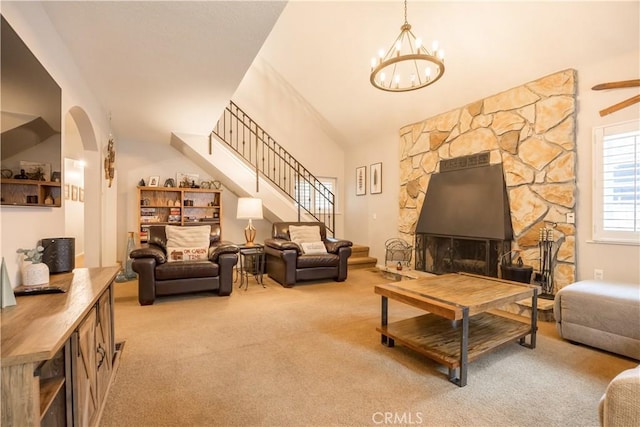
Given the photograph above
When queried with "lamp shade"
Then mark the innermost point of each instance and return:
(249, 208)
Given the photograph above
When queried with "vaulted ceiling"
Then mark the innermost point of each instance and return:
(162, 67)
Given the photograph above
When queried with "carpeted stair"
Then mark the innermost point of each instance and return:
(360, 258)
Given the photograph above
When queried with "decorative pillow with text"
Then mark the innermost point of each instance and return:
(313, 248)
(187, 243)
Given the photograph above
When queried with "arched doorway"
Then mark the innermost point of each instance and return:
(82, 170)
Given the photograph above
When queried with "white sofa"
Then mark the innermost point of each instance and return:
(600, 314)
(620, 405)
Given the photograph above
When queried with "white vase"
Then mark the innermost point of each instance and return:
(35, 274)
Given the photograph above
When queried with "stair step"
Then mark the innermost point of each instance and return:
(359, 251)
(361, 262)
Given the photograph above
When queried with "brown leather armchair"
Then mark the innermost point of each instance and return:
(158, 277)
(287, 263)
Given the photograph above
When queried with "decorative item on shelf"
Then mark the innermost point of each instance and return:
(399, 266)
(36, 171)
(34, 271)
(187, 180)
(7, 173)
(110, 161)
(21, 175)
(169, 182)
(127, 272)
(407, 65)
(32, 200)
(249, 208)
(55, 176)
(48, 200)
(141, 183)
(212, 184)
(8, 298)
(154, 181)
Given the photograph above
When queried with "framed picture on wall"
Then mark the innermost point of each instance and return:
(66, 192)
(81, 194)
(74, 192)
(361, 181)
(375, 178)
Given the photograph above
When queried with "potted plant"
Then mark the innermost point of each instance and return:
(34, 271)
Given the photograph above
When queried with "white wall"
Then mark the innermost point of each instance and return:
(74, 209)
(270, 101)
(619, 262)
(23, 227)
(372, 219)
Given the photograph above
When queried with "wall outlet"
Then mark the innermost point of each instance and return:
(571, 218)
(598, 274)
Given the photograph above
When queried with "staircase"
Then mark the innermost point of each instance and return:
(360, 258)
(272, 162)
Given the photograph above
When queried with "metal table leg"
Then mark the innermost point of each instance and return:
(461, 380)
(389, 342)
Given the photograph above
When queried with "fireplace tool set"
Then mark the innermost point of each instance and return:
(544, 277)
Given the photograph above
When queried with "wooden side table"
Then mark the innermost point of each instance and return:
(252, 262)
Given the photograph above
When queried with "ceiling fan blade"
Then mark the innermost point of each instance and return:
(616, 85)
(620, 105)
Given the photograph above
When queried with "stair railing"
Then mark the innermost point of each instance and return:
(269, 159)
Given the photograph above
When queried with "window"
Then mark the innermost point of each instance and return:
(616, 195)
(318, 198)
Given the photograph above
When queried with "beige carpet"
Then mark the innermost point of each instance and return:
(310, 356)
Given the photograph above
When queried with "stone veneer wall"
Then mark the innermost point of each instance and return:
(530, 129)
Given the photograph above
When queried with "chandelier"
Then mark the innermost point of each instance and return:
(407, 65)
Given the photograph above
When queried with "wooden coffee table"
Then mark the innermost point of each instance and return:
(457, 328)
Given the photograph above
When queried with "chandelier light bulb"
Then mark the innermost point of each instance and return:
(418, 43)
(434, 46)
(383, 77)
(374, 61)
(398, 45)
(441, 54)
(397, 79)
(428, 73)
(381, 53)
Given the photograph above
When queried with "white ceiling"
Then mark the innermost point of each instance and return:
(162, 67)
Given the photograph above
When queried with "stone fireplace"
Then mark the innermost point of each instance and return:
(529, 131)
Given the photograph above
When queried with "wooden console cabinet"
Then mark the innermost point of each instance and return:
(59, 352)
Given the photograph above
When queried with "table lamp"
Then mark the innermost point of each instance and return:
(249, 208)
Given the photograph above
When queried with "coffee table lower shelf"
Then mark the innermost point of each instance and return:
(439, 339)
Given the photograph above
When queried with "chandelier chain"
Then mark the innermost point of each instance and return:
(405, 12)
